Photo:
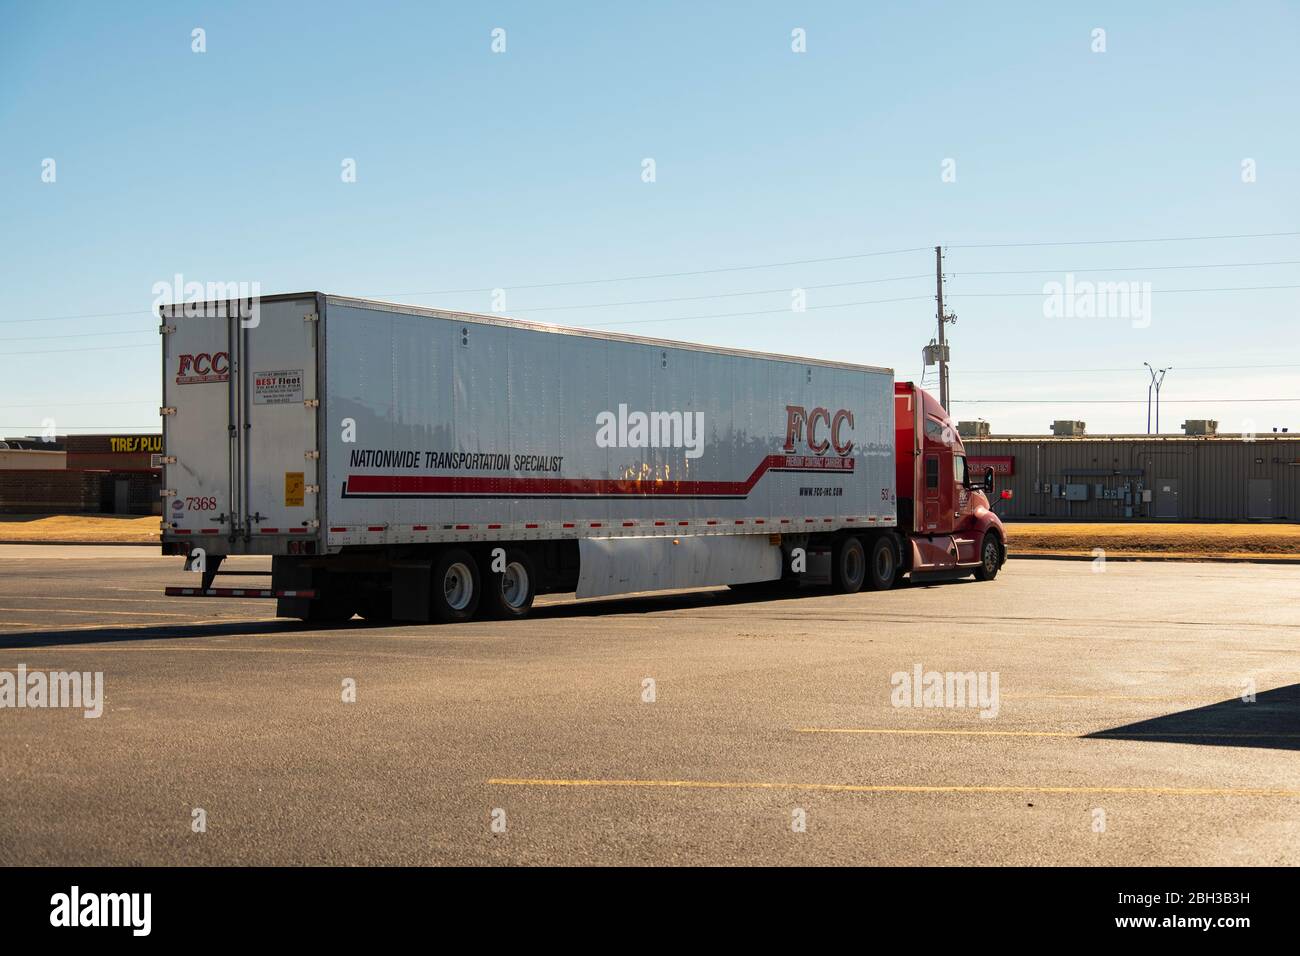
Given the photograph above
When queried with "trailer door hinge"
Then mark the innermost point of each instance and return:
(167, 493)
(166, 329)
(167, 460)
(311, 454)
(167, 410)
(311, 317)
(312, 402)
(311, 489)
(313, 523)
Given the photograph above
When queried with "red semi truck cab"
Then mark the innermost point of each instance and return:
(943, 510)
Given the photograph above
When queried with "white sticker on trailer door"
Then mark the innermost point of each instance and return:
(278, 387)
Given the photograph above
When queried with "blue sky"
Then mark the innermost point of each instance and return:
(478, 170)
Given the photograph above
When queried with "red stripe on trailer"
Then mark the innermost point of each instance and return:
(711, 521)
(494, 527)
(415, 485)
(568, 525)
(180, 531)
(270, 530)
(629, 524)
(530, 526)
(210, 531)
(683, 523)
(379, 527)
(297, 530)
(660, 524)
(419, 527)
(338, 529)
(596, 524)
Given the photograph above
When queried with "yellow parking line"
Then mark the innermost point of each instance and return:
(1118, 735)
(68, 610)
(893, 788)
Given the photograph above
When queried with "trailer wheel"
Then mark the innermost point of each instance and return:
(510, 593)
(850, 566)
(990, 558)
(454, 591)
(882, 568)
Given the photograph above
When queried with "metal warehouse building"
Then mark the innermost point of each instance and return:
(1143, 477)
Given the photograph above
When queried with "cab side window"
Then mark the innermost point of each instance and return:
(932, 472)
(959, 469)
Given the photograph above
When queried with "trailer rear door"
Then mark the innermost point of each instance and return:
(280, 407)
(239, 426)
(199, 421)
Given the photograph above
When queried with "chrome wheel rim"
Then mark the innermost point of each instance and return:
(458, 586)
(514, 585)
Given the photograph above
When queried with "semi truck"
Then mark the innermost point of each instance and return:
(416, 464)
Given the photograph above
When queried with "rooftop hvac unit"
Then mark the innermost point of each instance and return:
(979, 429)
(1200, 426)
(1068, 429)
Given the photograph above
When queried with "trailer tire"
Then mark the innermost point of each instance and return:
(509, 595)
(455, 588)
(882, 564)
(849, 567)
(990, 557)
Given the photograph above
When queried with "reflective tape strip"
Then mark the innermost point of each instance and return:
(238, 593)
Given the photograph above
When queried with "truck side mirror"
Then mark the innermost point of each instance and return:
(988, 479)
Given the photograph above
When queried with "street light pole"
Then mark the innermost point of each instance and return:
(1149, 384)
(1160, 381)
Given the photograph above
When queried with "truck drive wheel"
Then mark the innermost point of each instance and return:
(990, 558)
(509, 594)
(454, 590)
(849, 566)
(882, 566)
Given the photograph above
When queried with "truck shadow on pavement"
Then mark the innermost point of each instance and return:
(162, 632)
(1272, 721)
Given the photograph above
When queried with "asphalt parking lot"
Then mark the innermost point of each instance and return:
(772, 731)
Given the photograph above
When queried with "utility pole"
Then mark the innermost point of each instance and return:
(943, 348)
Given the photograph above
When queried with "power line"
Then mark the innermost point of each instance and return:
(1135, 368)
(77, 335)
(783, 311)
(1107, 242)
(726, 269)
(1202, 265)
(719, 295)
(1113, 401)
(141, 401)
(1009, 295)
(668, 275)
(89, 348)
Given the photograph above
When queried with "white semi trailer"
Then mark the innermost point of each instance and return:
(418, 464)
